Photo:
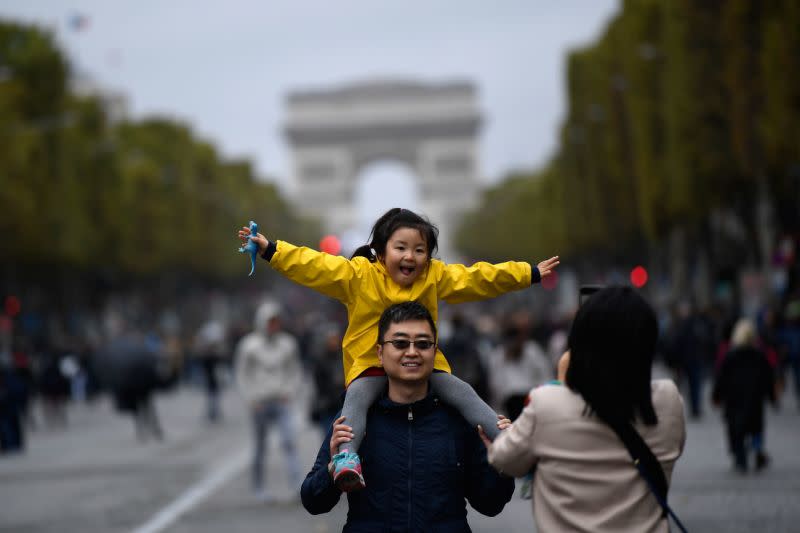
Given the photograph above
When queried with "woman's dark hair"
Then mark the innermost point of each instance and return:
(612, 343)
(391, 221)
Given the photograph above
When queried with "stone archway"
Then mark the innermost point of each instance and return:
(380, 186)
(433, 129)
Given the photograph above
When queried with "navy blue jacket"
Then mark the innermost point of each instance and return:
(420, 462)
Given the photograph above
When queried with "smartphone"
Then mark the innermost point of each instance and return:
(587, 290)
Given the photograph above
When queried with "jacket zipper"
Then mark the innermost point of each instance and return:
(410, 462)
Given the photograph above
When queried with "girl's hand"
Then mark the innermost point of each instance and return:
(259, 239)
(341, 434)
(502, 424)
(547, 266)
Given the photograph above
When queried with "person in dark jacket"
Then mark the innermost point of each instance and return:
(744, 383)
(423, 461)
(693, 350)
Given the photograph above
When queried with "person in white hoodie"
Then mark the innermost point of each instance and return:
(268, 374)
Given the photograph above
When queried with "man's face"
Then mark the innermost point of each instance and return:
(411, 363)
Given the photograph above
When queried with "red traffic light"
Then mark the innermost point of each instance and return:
(639, 276)
(330, 245)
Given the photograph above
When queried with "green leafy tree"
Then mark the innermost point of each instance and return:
(682, 113)
(133, 200)
(33, 75)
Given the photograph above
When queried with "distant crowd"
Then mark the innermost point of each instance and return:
(137, 345)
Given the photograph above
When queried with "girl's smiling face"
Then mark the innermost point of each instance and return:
(406, 256)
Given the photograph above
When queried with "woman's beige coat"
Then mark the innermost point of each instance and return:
(585, 480)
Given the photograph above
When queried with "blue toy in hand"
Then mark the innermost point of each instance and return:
(251, 247)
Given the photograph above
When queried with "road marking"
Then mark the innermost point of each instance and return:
(196, 493)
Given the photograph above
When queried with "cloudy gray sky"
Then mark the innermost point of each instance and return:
(225, 67)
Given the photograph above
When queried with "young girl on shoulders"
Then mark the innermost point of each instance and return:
(396, 266)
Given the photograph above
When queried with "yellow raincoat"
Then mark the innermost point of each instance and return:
(366, 290)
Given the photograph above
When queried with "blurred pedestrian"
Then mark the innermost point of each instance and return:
(462, 348)
(268, 374)
(21, 361)
(211, 351)
(133, 368)
(745, 382)
(54, 390)
(557, 345)
(693, 349)
(517, 365)
(788, 339)
(12, 400)
(328, 380)
(604, 445)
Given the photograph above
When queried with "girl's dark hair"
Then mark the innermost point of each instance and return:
(391, 221)
(612, 343)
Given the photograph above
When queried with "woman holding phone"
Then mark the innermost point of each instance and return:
(605, 442)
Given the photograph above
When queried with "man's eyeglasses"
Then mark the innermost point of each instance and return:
(403, 344)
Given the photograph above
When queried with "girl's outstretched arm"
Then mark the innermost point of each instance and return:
(331, 275)
(457, 283)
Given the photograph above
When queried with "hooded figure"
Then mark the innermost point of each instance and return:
(268, 374)
(267, 360)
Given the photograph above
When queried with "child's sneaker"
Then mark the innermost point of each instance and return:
(347, 472)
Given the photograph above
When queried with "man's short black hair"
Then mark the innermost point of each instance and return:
(404, 312)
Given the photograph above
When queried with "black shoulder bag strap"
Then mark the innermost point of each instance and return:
(647, 465)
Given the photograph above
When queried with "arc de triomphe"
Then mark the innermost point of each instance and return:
(430, 128)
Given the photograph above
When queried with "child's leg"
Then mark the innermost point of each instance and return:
(463, 397)
(361, 393)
